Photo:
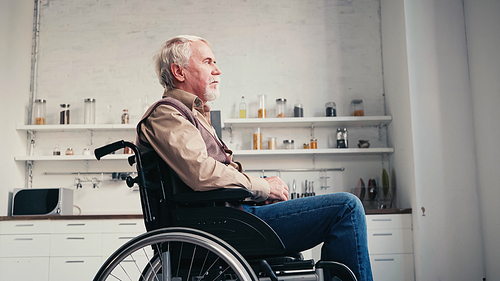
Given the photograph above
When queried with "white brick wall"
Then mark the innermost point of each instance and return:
(313, 51)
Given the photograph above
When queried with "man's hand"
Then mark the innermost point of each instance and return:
(279, 190)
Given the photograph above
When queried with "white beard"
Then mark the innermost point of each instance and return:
(212, 94)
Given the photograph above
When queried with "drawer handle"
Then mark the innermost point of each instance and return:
(75, 261)
(382, 234)
(24, 225)
(381, 219)
(75, 238)
(23, 239)
(127, 223)
(75, 224)
(384, 259)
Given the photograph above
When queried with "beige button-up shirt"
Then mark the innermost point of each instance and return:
(181, 146)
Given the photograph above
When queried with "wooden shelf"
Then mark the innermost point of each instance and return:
(306, 122)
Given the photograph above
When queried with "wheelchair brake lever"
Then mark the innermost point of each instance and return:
(268, 270)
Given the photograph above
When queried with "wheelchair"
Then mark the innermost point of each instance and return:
(197, 236)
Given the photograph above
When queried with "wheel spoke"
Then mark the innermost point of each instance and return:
(191, 265)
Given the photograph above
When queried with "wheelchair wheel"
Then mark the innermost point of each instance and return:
(176, 254)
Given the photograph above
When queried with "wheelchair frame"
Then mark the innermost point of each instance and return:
(200, 232)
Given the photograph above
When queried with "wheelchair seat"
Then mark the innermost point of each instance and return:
(168, 204)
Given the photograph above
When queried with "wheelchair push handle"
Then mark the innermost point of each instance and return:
(112, 147)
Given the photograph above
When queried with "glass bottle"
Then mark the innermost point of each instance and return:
(257, 140)
(280, 107)
(40, 107)
(56, 150)
(125, 117)
(344, 135)
(314, 143)
(331, 109)
(89, 111)
(298, 111)
(64, 114)
(340, 138)
(243, 108)
(262, 107)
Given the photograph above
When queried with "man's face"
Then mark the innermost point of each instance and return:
(202, 75)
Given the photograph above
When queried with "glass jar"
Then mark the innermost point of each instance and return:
(70, 151)
(89, 111)
(56, 151)
(305, 145)
(243, 108)
(262, 107)
(331, 109)
(314, 143)
(357, 108)
(340, 138)
(271, 143)
(280, 107)
(125, 117)
(40, 111)
(298, 111)
(257, 140)
(288, 144)
(64, 114)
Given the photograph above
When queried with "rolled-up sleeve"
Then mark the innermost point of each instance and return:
(181, 146)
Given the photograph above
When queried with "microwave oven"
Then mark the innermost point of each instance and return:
(42, 202)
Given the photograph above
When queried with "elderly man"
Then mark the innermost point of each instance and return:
(178, 129)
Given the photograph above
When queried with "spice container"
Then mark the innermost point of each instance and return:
(40, 107)
(341, 142)
(288, 144)
(89, 111)
(305, 145)
(243, 108)
(298, 111)
(357, 108)
(257, 140)
(70, 151)
(331, 109)
(271, 143)
(56, 151)
(125, 117)
(64, 114)
(262, 107)
(344, 135)
(314, 143)
(280, 108)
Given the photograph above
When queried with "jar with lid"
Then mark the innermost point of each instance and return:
(125, 117)
(243, 108)
(64, 114)
(331, 109)
(357, 108)
(56, 151)
(341, 143)
(271, 143)
(288, 144)
(280, 107)
(314, 143)
(298, 111)
(89, 111)
(305, 145)
(257, 140)
(262, 113)
(70, 151)
(40, 107)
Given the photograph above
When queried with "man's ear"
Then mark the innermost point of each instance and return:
(177, 72)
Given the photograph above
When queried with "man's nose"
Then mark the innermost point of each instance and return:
(216, 70)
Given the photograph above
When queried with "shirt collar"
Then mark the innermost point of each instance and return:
(188, 99)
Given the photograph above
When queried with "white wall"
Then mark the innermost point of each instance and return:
(483, 38)
(16, 24)
(443, 143)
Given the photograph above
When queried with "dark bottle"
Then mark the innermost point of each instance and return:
(298, 111)
(331, 109)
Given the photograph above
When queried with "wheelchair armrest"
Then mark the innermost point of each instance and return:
(217, 195)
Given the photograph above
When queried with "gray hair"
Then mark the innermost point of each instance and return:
(175, 50)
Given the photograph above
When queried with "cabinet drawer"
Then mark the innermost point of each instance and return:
(24, 245)
(22, 227)
(123, 226)
(24, 269)
(112, 241)
(74, 245)
(388, 221)
(76, 226)
(74, 268)
(132, 266)
(397, 267)
(390, 241)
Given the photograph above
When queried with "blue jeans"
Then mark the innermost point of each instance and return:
(336, 219)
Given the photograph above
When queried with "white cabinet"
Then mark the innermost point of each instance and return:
(24, 250)
(390, 244)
